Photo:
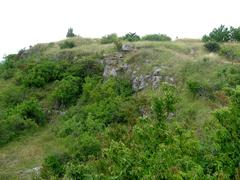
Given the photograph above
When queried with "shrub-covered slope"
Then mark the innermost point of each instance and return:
(81, 108)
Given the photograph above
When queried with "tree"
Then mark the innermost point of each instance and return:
(220, 34)
(235, 33)
(131, 37)
(70, 33)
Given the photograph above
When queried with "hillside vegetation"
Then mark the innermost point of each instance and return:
(88, 109)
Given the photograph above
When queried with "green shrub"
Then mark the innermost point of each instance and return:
(86, 147)
(228, 136)
(66, 92)
(8, 66)
(85, 68)
(156, 37)
(131, 37)
(104, 100)
(67, 44)
(230, 75)
(212, 46)
(12, 96)
(200, 89)
(79, 171)
(101, 103)
(30, 109)
(231, 51)
(24, 117)
(163, 106)
(18, 124)
(194, 86)
(40, 74)
(111, 38)
(6, 132)
(53, 166)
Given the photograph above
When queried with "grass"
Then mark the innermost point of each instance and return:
(20, 156)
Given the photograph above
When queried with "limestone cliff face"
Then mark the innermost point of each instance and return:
(115, 65)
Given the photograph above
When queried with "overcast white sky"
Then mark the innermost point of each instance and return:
(27, 22)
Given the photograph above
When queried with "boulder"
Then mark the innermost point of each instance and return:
(127, 47)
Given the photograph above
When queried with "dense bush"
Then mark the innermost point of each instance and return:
(220, 34)
(104, 99)
(53, 166)
(30, 109)
(231, 51)
(131, 37)
(85, 68)
(86, 147)
(228, 137)
(223, 34)
(8, 66)
(111, 38)
(12, 96)
(200, 89)
(42, 73)
(212, 46)
(66, 92)
(230, 75)
(235, 33)
(156, 37)
(24, 117)
(67, 44)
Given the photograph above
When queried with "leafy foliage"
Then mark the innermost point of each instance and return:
(235, 34)
(8, 66)
(228, 137)
(223, 34)
(66, 91)
(131, 37)
(67, 44)
(220, 34)
(25, 116)
(156, 37)
(212, 46)
(231, 52)
(30, 110)
(54, 165)
(200, 89)
(40, 74)
(85, 68)
(13, 96)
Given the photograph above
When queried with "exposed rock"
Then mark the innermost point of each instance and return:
(156, 81)
(35, 170)
(127, 47)
(153, 80)
(109, 71)
(157, 72)
(139, 83)
(114, 66)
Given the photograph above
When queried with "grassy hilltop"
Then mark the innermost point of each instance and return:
(61, 118)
